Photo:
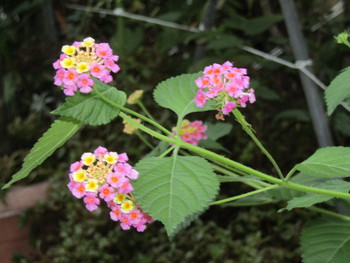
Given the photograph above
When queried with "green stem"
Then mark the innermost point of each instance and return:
(225, 161)
(310, 189)
(148, 114)
(290, 173)
(246, 127)
(227, 170)
(330, 213)
(211, 155)
(167, 151)
(243, 195)
(254, 184)
(144, 140)
(225, 166)
(120, 107)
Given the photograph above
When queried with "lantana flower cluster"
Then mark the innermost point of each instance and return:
(81, 61)
(192, 132)
(105, 176)
(227, 85)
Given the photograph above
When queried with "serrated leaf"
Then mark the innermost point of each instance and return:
(177, 94)
(171, 189)
(327, 242)
(327, 162)
(338, 90)
(90, 108)
(310, 199)
(59, 132)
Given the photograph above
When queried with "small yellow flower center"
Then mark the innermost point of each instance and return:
(92, 185)
(67, 63)
(68, 50)
(127, 206)
(82, 67)
(79, 176)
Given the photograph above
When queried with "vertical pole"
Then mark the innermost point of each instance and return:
(49, 23)
(313, 98)
(207, 22)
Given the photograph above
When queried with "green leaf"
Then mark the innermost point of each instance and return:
(310, 199)
(213, 145)
(341, 122)
(177, 94)
(338, 90)
(327, 242)
(285, 193)
(90, 108)
(214, 132)
(327, 162)
(171, 189)
(217, 130)
(59, 132)
(161, 147)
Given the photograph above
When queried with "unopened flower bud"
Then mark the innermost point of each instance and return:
(135, 97)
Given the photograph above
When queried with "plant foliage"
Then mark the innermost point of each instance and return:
(59, 132)
(338, 90)
(177, 94)
(329, 162)
(172, 188)
(90, 108)
(327, 242)
(310, 199)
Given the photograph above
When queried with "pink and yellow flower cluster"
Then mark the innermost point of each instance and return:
(192, 132)
(104, 175)
(81, 61)
(227, 85)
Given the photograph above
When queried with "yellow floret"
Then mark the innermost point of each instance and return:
(185, 123)
(119, 198)
(183, 131)
(88, 42)
(67, 62)
(91, 185)
(88, 158)
(69, 50)
(79, 176)
(191, 129)
(82, 67)
(111, 157)
(127, 206)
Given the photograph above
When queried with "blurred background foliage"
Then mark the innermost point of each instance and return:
(33, 32)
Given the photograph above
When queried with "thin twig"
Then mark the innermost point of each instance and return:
(121, 12)
(299, 65)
